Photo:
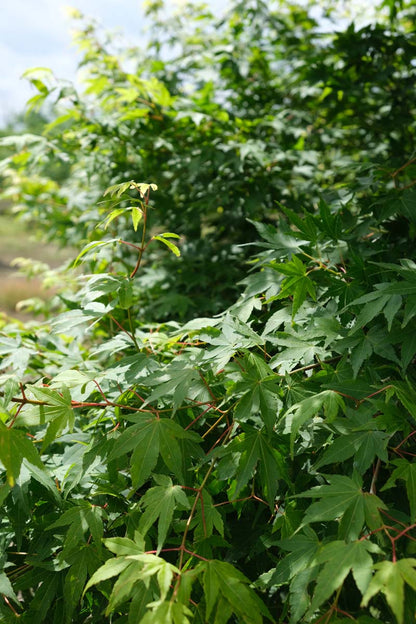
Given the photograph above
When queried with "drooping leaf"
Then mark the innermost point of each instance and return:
(222, 580)
(159, 503)
(257, 452)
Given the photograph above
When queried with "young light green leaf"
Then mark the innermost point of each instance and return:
(390, 578)
(91, 246)
(117, 190)
(164, 238)
(110, 218)
(136, 216)
(14, 447)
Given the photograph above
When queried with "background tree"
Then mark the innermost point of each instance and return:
(234, 115)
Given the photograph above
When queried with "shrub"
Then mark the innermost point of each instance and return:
(249, 466)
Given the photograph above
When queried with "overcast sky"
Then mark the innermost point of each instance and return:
(36, 33)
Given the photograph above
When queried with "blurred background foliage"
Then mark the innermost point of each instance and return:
(232, 117)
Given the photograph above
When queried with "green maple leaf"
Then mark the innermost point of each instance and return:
(299, 413)
(81, 518)
(82, 562)
(169, 613)
(134, 569)
(344, 500)
(235, 336)
(258, 453)
(363, 445)
(149, 438)
(261, 393)
(390, 578)
(160, 502)
(302, 548)
(339, 559)
(297, 283)
(57, 410)
(178, 380)
(223, 582)
(207, 518)
(14, 447)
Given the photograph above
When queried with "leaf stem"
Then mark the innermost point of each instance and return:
(142, 246)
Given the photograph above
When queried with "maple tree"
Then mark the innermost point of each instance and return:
(245, 453)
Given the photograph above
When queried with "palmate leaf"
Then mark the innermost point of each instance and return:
(149, 438)
(14, 447)
(207, 518)
(168, 613)
(344, 500)
(390, 578)
(135, 569)
(339, 559)
(295, 349)
(235, 335)
(57, 409)
(160, 502)
(223, 582)
(257, 451)
(82, 562)
(302, 548)
(179, 380)
(141, 597)
(82, 518)
(364, 446)
(299, 413)
(297, 284)
(261, 393)
(328, 564)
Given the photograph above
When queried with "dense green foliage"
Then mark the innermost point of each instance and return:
(216, 422)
